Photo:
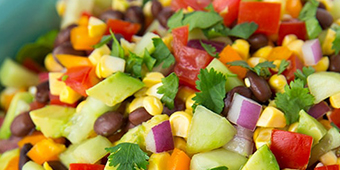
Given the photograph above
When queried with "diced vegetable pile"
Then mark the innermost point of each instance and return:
(177, 85)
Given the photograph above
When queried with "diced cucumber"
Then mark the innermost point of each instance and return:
(67, 157)
(310, 126)
(145, 42)
(30, 165)
(262, 159)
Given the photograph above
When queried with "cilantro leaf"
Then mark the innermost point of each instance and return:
(308, 14)
(302, 75)
(105, 39)
(241, 63)
(134, 65)
(295, 98)
(219, 168)
(117, 50)
(336, 42)
(211, 50)
(283, 65)
(217, 30)
(148, 60)
(176, 20)
(127, 156)
(162, 54)
(261, 69)
(211, 85)
(313, 28)
(169, 90)
(244, 30)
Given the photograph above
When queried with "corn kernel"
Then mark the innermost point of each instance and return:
(180, 122)
(328, 158)
(147, 9)
(288, 39)
(159, 161)
(56, 86)
(96, 27)
(47, 166)
(293, 127)
(335, 100)
(152, 78)
(278, 82)
(242, 48)
(180, 143)
(263, 52)
(253, 61)
(135, 104)
(80, 106)
(96, 54)
(152, 91)
(189, 102)
(272, 117)
(61, 6)
(328, 42)
(141, 92)
(153, 105)
(262, 136)
(296, 47)
(184, 93)
(322, 65)
(277, 65)
(109, 65)
(165, 3)
(120, 5)
(69, 96)
(52, 65)
(127, 46)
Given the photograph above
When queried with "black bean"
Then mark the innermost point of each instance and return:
(259, 87)
(56, 165)
(179, 105)
(67, 48)
(43, 92)
(322, 5)
(156, 8)
(111, 14)
(164, 15)
(324, 17)
(257, 41)
(22, 124)
(64, 35)
(108, 123)
(334, 63)
(23, 158)
(244, 91)
(135, 14)
(139, 116)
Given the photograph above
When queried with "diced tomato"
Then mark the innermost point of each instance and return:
(328, 167)
(334, 117)
(81, 78)
(265, 14)
(227, 9)
(127, 29)
(54, 100)
(84, 166)
(194, 4)
(189, 60)
(295, 27)
(292, 150)
(295, 64)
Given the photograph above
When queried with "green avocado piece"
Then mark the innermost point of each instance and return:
(15, 75)
(115, 88)
(262, 159)
(51, 119)
(310, 126)
(20, 103)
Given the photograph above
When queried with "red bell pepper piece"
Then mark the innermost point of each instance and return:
(295, 27)
(227, 9)
(194, 4)
(127, 29)
(265, 14)
(328, 167)
(334, 117)
(84, 166)
(295, 64)
(292, 150)
(189, 60)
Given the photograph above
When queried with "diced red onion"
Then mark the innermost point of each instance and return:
(197, 44)
(240, 145)
(311, 52)
(318, 110)
(160, 139)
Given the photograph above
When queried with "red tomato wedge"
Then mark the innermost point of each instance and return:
(189, 60)
(265, 14)
(328, 167)
(295, 64)
(295, 27)
(84, 166)
(127, 29)
(334, 117)
(227, 9)
(292, 150)
(194, 4)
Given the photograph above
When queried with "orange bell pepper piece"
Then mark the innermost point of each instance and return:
(228, 54)
(13, 164)
(179, 160)
(68, 60)
(81, 40)
(36, 137)
(45, 150)
(280, 53)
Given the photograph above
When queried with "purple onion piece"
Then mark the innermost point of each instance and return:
(196, 44)
(318, 110)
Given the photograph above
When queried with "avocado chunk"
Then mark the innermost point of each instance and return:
(51, 119)
(262, 159)
(15, 75)
(115, 88)
(20, 103)
(310, 126)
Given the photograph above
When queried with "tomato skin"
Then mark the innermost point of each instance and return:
(127, 29)
(295, 64)
(292, 150)
(194, 4)
(328, 167)
(334, 117)
(295, 27)
(227, 9)
(189, 60)
(265, 14)
(84, 166)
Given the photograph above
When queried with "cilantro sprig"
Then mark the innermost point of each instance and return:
(211, 85)
(261, 69)
(283, 65)
(211, 50)
(162, 54)
(169, 90)
(134, 65)
(308, 14)
(295, 98)
(302, 75)
(127, 156)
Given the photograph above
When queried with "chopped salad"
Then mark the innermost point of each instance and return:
(176, 85)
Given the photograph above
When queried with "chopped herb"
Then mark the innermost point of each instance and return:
(169, 90)
(117, 50)
(216, 31)
(302, 75)
(336, 42)
(211, 85)
(162, 54)
(244, 30)
(211, 50)
(210, 8)
(295, 98)
(127, 156)
(261, 69)
(313, 28)
(219, 168)
(105, 39)
(308, 14)
(148, 60)
(64, 77)
(283, 65)
(176, 20)
(134, 65)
